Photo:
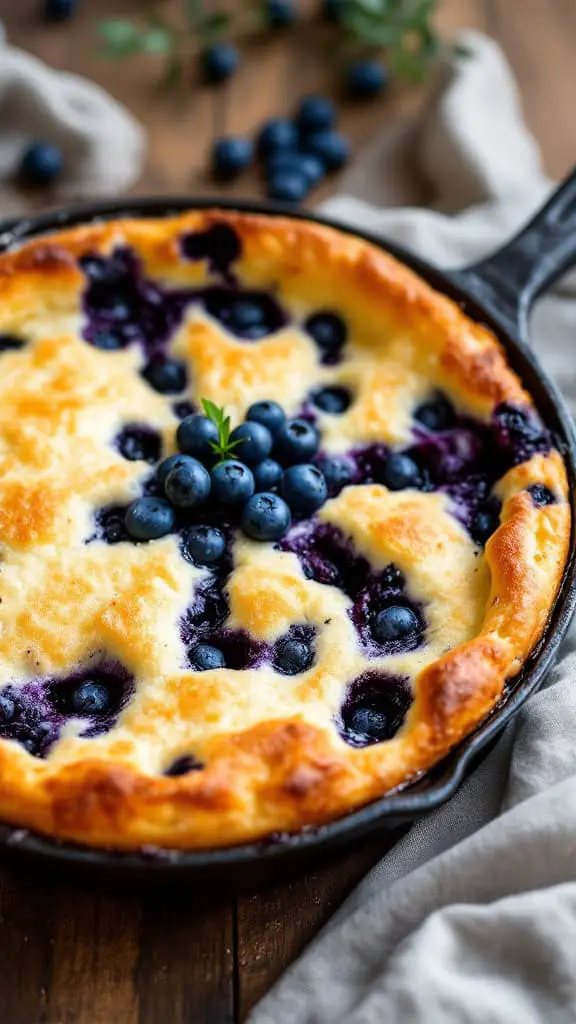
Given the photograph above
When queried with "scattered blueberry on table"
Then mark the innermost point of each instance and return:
(288, 186)
(231, 156)
(366, 79)
(219, 62)
(59, 10)
(314, 114)
(280, 13)
(277, 135)
(40, 164)
(331, 148)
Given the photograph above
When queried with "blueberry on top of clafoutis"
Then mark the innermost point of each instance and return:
(136, 441)
(374, 709)
(330, 334)
(250, 315)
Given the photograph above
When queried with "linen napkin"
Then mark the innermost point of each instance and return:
(471, 918)
(102, 144)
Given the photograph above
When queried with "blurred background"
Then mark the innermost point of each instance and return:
(374, 58)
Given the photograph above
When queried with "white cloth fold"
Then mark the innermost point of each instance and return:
(102, 145)
(471, 918)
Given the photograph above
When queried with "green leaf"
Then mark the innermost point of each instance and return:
(123, 38)
(158, 40)
(194, 11)
(212, 411)
(214, 25)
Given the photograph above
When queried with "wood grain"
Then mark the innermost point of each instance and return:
(71, 956)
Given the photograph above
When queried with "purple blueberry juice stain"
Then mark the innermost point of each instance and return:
(219, 245)
(137, 441)
(35, 713)
(374, 708)
(327, 557)
(121, 303)
(183, 765)
(541, 495)
(109, 525)
(124, 307)
(184, 408)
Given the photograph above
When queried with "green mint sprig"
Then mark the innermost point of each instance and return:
(402, 31)
(223, 447)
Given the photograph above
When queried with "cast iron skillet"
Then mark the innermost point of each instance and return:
(499, 292)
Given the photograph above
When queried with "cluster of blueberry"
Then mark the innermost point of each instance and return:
(275, 457)
(295, 153)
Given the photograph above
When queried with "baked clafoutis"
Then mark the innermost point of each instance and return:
(278, 525)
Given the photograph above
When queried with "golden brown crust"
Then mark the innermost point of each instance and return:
(273, 760)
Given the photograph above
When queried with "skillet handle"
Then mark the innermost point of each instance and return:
(509, 281)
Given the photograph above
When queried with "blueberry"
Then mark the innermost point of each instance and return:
(394, 623)
(40, 164)
(188, 484)
(296, 441)
(435, 414)
(334, 400)
(266, 517)
(267, 474)
(277, 134)
(219, 245)
(400, 471)
(232, 483)
(333, 11)
(243, 317)
(485, 522)
(219, 62)
(195, 436)
(7, 708)
(204, 658)
(288, 186)
(250, 315)
(139, 443)
(367, 725)
(255, 442)
(302, 163)
(293, 656)
(111, 524)
(183, 408)
(149, 518)
(328, 331)
(231, 156)
(366, 79)
(315, 113)
(204, 544)
(338, 472)
(168, 376)
(108, 341)
(59, 10)
(330, 148)
(269, 414)
(167, 465)
(11, 342)
(182, 765)
(541, 495)
(304, 488)
(91, 698)
(280, 13)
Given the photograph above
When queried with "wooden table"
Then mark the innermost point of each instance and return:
(72, 956)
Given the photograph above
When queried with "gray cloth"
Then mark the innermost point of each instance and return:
(471, 918)
(103, 146)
